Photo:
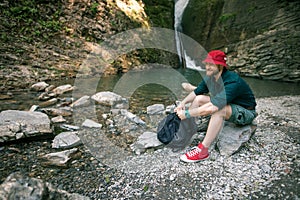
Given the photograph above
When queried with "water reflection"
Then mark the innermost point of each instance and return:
(261, 88)
(148, 94)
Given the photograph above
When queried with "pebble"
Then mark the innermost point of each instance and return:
(256, 172)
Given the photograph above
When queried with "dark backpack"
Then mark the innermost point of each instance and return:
(167, 128)
(176, 133)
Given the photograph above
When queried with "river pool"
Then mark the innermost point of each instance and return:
(143, 95)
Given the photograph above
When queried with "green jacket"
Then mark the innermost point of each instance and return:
(229, 89)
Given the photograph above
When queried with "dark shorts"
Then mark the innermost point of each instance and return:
(241, 115)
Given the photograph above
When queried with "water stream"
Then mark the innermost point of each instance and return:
(178, 12)
(149, 94)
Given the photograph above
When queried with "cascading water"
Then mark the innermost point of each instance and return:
(188, 62)
(180, 6)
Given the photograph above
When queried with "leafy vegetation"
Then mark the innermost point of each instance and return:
(32, 18)
(227, 16)
(94, 8)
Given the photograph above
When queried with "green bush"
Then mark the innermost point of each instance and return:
(33, 18)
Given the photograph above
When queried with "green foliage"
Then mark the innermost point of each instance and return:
(94, 8)
(227, 16)
(252, 9)
(107, 179)
(145, 188)
(4, 37)
(32, 18)
(160, 13)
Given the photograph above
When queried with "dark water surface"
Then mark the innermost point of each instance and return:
(261, 88)
(148, 94)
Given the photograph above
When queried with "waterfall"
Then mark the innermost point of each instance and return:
(178, 12)
(188, 62)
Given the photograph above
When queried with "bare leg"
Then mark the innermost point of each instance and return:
(188, 87)
(199, 101)
(215, 125)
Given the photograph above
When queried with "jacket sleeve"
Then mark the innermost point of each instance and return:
(201, 88)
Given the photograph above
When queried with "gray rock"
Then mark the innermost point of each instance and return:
(40, 86)
(33, 108)
(46, 96)
(6, 96)
(69, 127)
(154, 120)
(16, 124)
(17, 186)
(91, 124)
(155, 109)
(107, 98)
(58, 119)
(125, 122)
(59, 159)
(170, 109)
(145, 141)
(132, 117)
(49, 102)
(49, 88)
(232, 138)
(57, 111)
(82, 101)
(202, 123)
(66, 140)
(62, 89)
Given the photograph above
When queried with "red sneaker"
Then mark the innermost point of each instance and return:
(197, 154)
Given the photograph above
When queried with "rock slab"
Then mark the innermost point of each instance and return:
(59, 159)
(146, 140)
(16, 124)
(233, 137)
(66, 140)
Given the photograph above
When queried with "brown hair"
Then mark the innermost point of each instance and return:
(220, 67)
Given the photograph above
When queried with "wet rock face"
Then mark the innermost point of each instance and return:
(261, 40)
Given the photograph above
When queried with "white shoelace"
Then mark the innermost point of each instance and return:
(194, 151)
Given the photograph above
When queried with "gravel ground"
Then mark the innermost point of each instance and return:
(266, 168)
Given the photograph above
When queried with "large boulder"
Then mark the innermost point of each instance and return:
(233, 137)
(40, 86)
(17, 186)
(156, 109)
(15, 124)
(63, 89)
(108, 98)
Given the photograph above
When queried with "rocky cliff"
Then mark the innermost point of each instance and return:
(261, 37)
(43, 40)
